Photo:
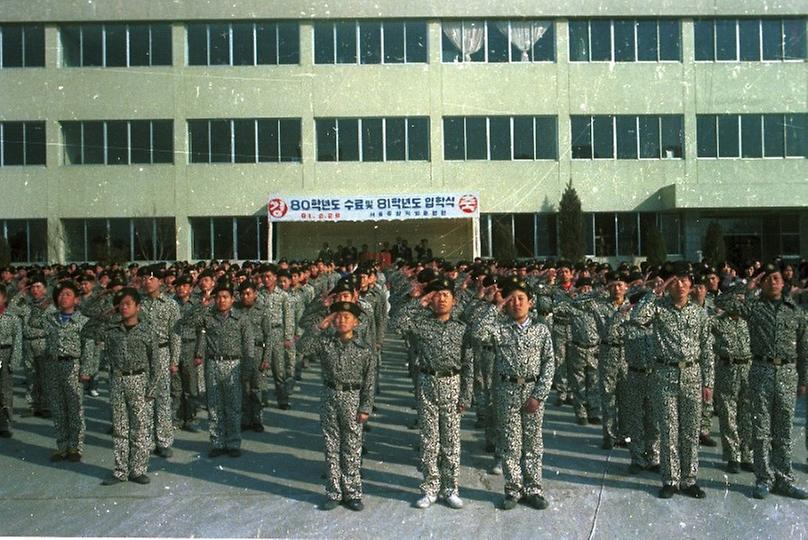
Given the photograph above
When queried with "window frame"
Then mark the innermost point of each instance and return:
(152, 150)
(205, 123)
(637, 138)
(24, 29)
(635, 59)
(358, 48)
(740, 123)
(254, 24)
(511, 129)
(26, 125)
(128, 46)
(737, 22)
(360, 139)
(484, 48)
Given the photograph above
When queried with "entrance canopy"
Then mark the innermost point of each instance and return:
(283, 208)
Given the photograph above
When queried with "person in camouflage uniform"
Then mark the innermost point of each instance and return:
(612, 364)
(185, 384)
(33, 305)
(682, 377)
(704, 300)
(163, 313)
(297, 305)
(733, 360)
(560, 295)
(10, 357)
(346, 400)
(225, 340)
(778, 332)
(134, 369)
(445, 387)
(251, 373)
(279, 332)
(524, 371)
(69, 363)
(582, 351)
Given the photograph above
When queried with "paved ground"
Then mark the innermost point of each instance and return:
(274, 489)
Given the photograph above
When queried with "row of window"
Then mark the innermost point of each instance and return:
(492, 138)
(22, 143)
(120, 239)
(405, 41)
(243, 237)
(118, 142)
(262, 140)
(27, 239)
(116, 45)
(752, 135)
(373, 139)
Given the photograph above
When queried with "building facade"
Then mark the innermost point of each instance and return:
(157, 130)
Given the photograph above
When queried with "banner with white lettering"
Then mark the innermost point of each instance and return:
(283, 208)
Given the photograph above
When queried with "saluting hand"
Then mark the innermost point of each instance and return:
(327, 321)
(362, 417)
(426, 299)
(504, 302)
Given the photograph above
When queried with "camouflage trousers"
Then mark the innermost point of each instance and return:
(282, 370)
(342, 436)
(520, 439)
(185, 386)
(612, 370)
(773, 390)
(66, 395)
(161, 427)
(439, 421)
(484, 398)
(641, 423)
(34, 366)
(677, 406)
(734, 410)
(251, 375)
(560, 349)
(223, 378)
(583, 379)
(6, 391)
(130, 419)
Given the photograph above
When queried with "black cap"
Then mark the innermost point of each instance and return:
(126, 291)
(223, 286)
(350, 307)
(38, 278)
(246, 285)
(680, 269)
(583, 282)
(440, 284)
(282, 272)
(67, 284)
(343, 285)
(184, 279)
(427, 275)
(514, 283)
(769, 269)
(153, 270)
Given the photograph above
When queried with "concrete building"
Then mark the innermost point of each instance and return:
(157, 130)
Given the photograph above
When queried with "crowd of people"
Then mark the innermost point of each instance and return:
(649, 353)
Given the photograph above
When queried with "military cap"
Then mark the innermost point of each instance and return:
(223, 286)
(184, 279)
(153, 270)
(126, 291)
(440, 284)
(514, 283)
(611, 277)
(207, 273)
(66, 284)
(490, 280)
(680, 269)
(116, 281)
(38, 278)
(343, 285)
(768, 269)
(427, 275)
(634, 276)
(283, 272)
(583, 282)
(350, 307)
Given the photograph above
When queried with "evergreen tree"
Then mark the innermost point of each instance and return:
(713, 248)
(571, 226)
(655, 250)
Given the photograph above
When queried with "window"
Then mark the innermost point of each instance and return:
(752, 135)
(500, 138)
(625, 234)
(120, 239)
(244, 140)
(22, 143)
(645, 136)
(373, 139)
(498, 41)
(243, 43)
(116, 45)
(118, 142)
(625, 40)
(370, 42)
(26, 238)
(22, 45)
(750, 40)
(225, 237)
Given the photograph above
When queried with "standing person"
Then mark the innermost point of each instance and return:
(185, 384)
(10, 357)
(612, 362)
(683, 376)
(524, 365)
(561, 293)
(251, 373)
(68, 365)
(134, 370)
(346, 400)
(87, 284)
(279, 332)
(225, 340)
(582, 353)
(444, 391)
(163, 314)
(778, 333)
(33, 306)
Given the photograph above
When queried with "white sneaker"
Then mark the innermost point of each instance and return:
(496, 469)
(426, 501)
(454, 501)
(94, 392)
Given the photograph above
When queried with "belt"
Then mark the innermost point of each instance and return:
(581, 346)
(163, 345)
(774, 361)
(680, 365)
(612, 344)
(4, 347)
(343, 387)
(450, 373)
(66, 358)
(644, 371)
(259, 343)
(728, 361)
(31, 338)
(131, 373)
(188, 339)
(520, 380)
(225, 357)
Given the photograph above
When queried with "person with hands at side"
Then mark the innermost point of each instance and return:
(524, 370)
(10, 357)
(682, 376)
(348, 369)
